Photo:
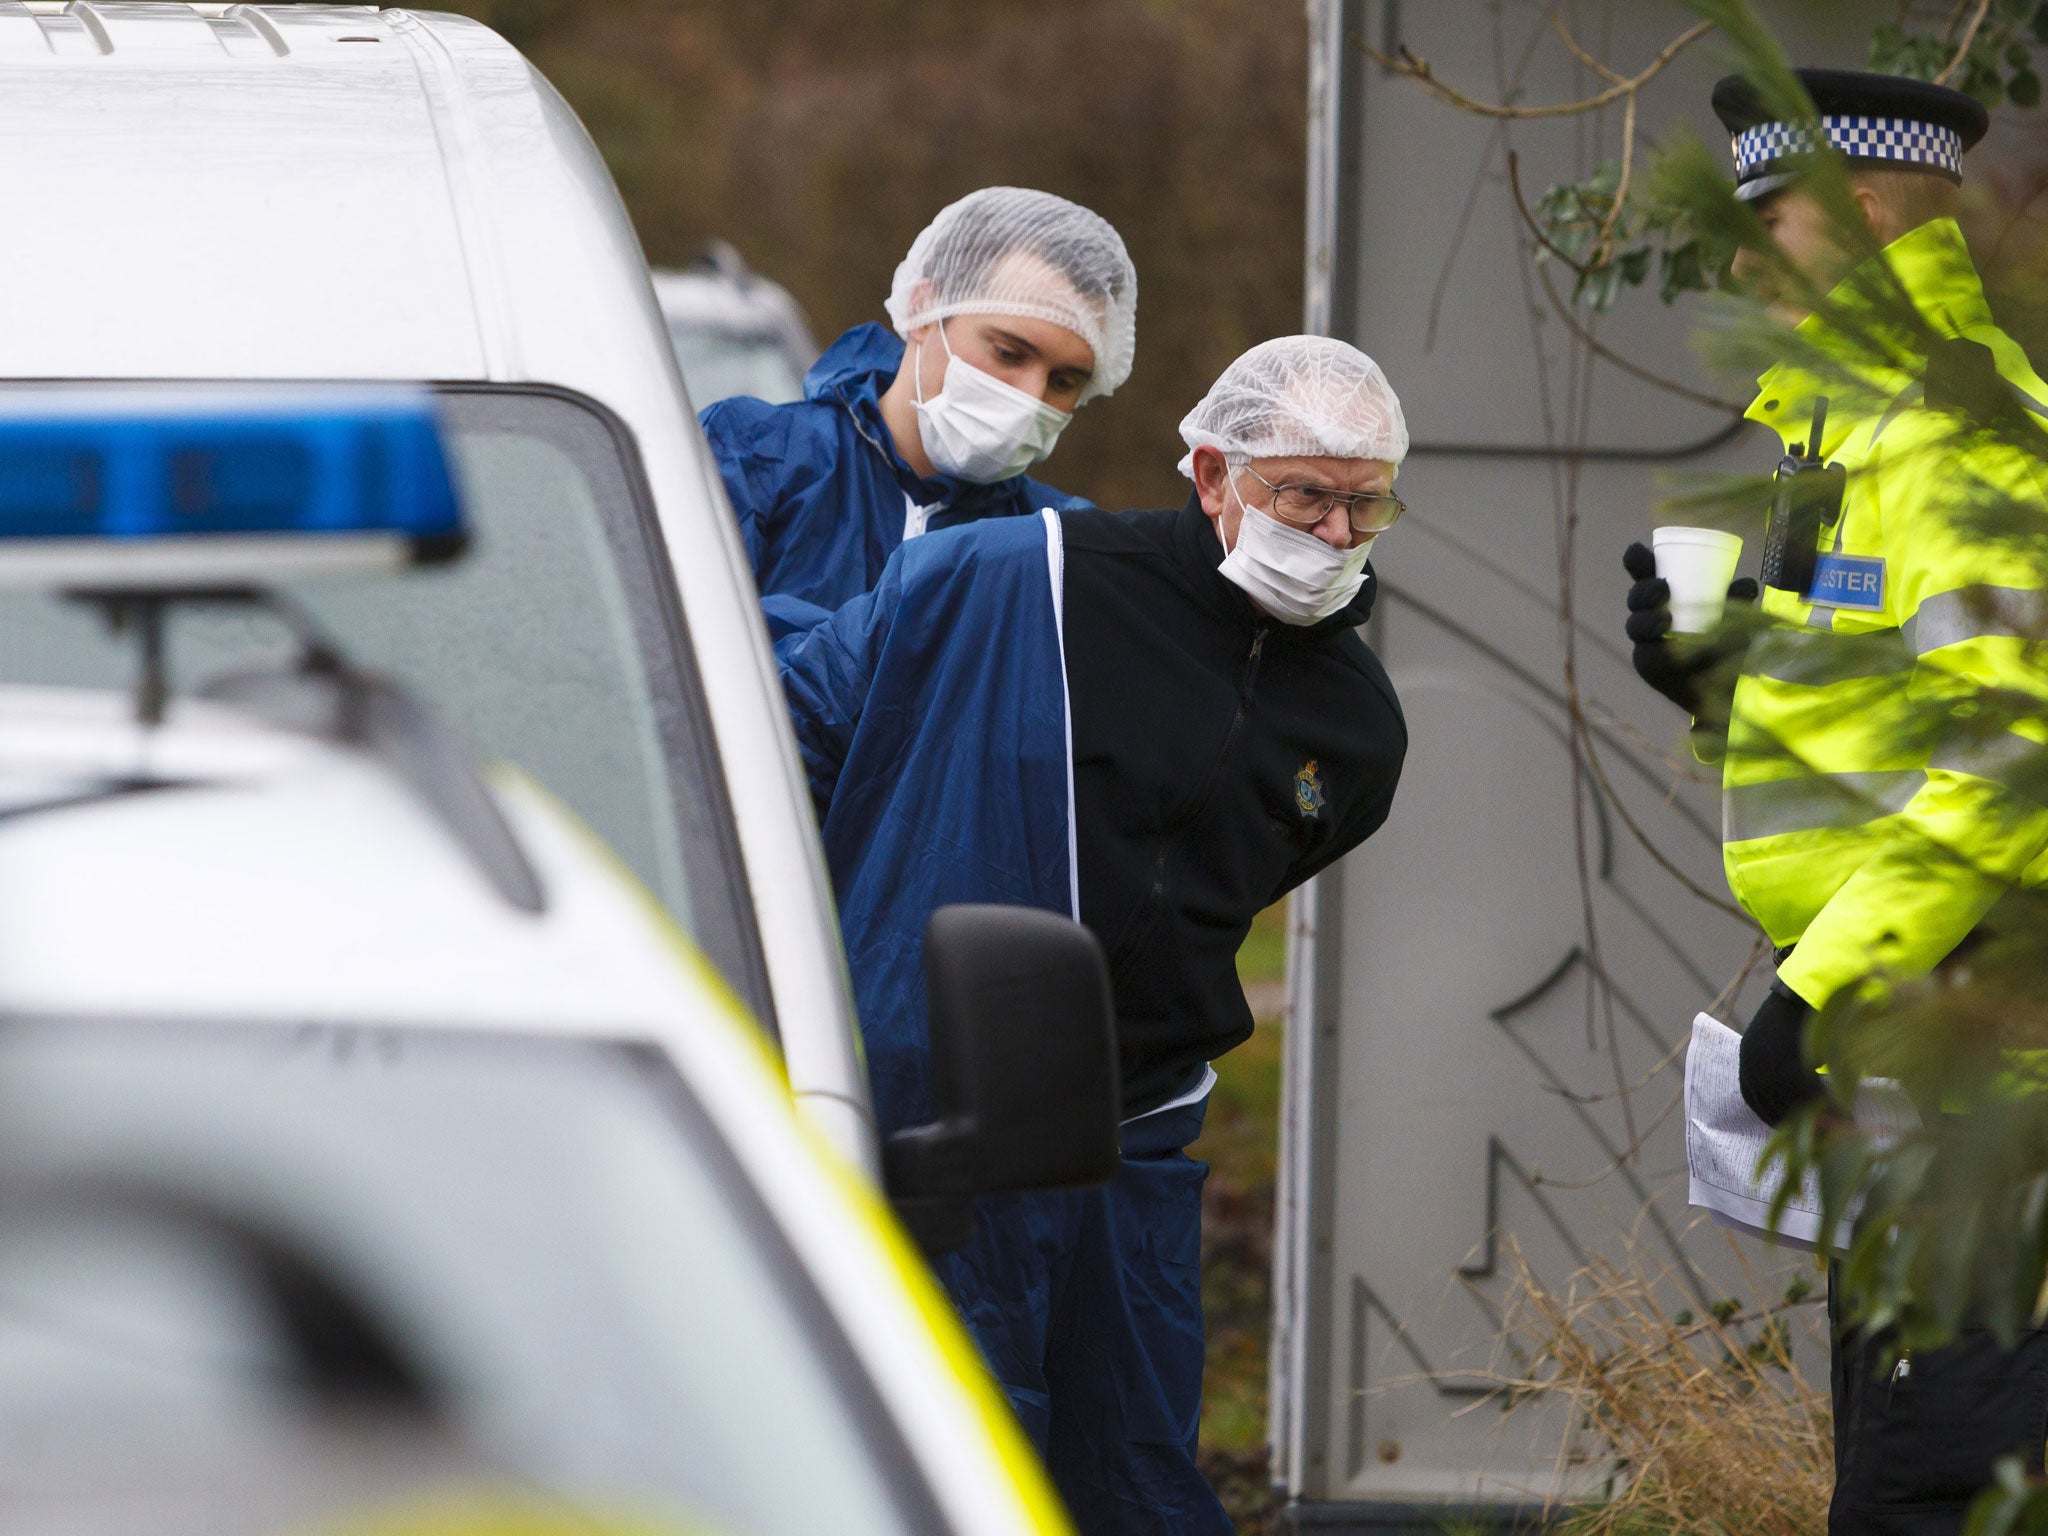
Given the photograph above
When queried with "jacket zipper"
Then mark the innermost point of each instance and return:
(1247, 681)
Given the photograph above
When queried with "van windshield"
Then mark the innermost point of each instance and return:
(720, 364)
(553, 644)
(296, 1279)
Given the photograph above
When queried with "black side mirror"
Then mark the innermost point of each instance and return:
(1024, 1071)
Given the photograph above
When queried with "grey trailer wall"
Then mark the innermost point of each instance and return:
(1470, 992)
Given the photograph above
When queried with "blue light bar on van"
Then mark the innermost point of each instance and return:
(166, 486)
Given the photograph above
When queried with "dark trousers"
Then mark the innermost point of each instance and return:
(1915, 1443)
(1087, 1305)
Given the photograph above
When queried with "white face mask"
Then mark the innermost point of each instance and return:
(1293, 575)
(979, 429)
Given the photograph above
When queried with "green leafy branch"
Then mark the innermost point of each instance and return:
(1614, 237)
(1986, 50)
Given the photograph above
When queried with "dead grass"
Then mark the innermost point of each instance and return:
(1708, 1423)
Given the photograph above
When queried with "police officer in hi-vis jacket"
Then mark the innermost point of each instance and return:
(1869, 823)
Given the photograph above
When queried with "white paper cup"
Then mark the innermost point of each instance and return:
(1698, 564)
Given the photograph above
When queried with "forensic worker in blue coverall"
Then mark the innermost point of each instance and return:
(1012, 309)
(1158, 723)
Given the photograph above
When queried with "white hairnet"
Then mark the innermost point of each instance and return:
(1299, 397)
(1012, 251)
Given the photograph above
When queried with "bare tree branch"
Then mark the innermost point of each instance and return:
(1606, 353)
(1545, 1181)
(1417, 69)
(1669, 1058)
(1728, 994)
(1688, 771)
(1663, 861)
(1571, 43)
(1603, 248)
(1963, 48)
(1619, 88)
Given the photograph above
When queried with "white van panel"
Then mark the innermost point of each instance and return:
(312, 192)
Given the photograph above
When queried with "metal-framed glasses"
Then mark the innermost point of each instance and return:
(1306, 505)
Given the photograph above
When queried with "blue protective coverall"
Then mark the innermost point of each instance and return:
(820, 492)
(932, 718)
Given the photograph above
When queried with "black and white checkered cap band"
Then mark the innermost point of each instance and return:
(1860, 138)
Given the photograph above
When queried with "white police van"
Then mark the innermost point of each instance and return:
(379, 1134)
(315, 192)
(734, 331)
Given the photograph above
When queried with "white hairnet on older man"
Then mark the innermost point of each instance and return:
(1296, 397)
(1303, 436)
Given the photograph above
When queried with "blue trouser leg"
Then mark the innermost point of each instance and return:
(1088, 1306)
(1005, 1283)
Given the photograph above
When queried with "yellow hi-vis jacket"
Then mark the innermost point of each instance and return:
(1868, 814)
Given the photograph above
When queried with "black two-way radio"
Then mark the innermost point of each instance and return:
(1807, 498)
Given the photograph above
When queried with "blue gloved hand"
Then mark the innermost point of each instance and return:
(1683, 677)
(1775, 1077)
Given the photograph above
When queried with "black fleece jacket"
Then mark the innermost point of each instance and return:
(1220, 759)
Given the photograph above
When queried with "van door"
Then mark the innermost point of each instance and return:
(556, 644)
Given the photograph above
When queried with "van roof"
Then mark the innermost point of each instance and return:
(309, 191)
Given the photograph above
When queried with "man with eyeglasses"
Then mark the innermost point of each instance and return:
(1158, 722)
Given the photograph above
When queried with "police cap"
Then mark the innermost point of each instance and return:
(1873, 119)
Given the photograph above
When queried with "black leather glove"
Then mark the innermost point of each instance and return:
(1682, 676)
(1775, 1078)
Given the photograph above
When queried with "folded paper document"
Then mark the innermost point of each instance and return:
(1724, 1138)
